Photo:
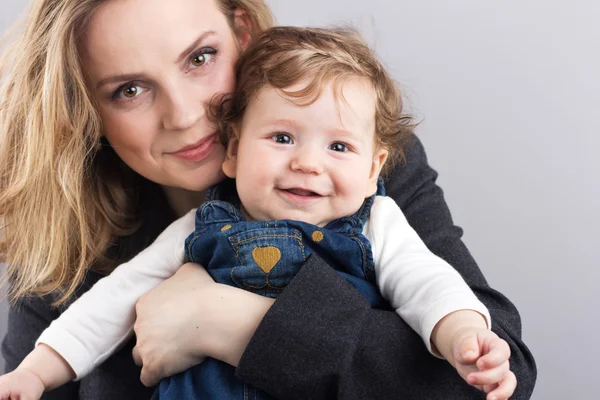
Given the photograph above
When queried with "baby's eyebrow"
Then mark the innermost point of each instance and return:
(288, 123)
(345, 134)
(341, 132)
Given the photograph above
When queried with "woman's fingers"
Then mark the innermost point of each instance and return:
(149, 377)
(136, 357)
(171, 323)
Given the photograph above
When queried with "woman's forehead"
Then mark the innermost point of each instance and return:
(128, 34)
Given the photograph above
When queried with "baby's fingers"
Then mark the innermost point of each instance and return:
(7, 395)
(505, 389)
(489, 388)
(5, 391)
(489, 376)
(495, 353)
(467, 351)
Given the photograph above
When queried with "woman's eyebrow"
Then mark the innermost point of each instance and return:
(194, 44)
(134, 76)
(118, 78)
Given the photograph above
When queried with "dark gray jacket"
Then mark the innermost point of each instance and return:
(320, 340)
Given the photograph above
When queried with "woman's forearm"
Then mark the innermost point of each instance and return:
(330, 343)
(241, 326)
(172, 337)
(326, 342)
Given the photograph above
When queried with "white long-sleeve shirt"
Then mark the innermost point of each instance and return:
(420, 286)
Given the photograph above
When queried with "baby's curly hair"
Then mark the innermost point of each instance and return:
(283, 56)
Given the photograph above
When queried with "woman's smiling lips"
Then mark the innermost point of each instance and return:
(198, 151)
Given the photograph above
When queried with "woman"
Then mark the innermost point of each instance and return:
(105, 140)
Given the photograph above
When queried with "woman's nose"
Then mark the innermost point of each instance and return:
(182, 110)
(307, 160)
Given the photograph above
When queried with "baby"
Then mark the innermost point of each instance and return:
(312, 123)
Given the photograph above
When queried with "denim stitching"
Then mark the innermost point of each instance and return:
(189, 247)
(247, 285)
(236, 244)
(364, 253)
(237, 252)
(267, 235)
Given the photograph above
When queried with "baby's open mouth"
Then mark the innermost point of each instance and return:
(302, 192)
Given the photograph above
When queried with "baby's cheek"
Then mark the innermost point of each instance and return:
(354, 191)
(243, 190)
(249, 192)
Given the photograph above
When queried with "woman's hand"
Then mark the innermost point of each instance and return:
(190, 317)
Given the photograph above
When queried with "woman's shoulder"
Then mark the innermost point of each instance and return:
(410, 174)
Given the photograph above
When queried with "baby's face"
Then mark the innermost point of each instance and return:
(312, 163)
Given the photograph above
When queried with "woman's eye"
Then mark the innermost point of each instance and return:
(202, 57)
(128, 91)
(282, 138)
(341, 147)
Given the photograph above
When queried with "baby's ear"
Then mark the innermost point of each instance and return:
(379, 159)
(230, 162)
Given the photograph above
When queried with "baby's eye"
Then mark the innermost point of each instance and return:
(282, 138)
(341, 147)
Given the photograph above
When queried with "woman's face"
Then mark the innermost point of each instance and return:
(153, 67)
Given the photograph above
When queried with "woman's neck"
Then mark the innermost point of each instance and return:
(182, 200)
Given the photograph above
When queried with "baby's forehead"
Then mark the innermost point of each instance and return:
(354, 95)
(342, 108)
(308, 89)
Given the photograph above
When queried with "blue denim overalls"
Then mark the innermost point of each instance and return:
(263, 257)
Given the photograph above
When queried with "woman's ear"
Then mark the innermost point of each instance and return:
(230, 163)
(379, 159)
(243, 27)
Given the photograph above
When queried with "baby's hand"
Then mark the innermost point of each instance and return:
(21, 384)
(481, 358)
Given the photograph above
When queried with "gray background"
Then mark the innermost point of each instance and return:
(509, 96)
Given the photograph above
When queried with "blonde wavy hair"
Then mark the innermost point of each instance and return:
(63, 197)
(283, 56)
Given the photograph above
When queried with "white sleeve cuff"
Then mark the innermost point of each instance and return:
(73, 351)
